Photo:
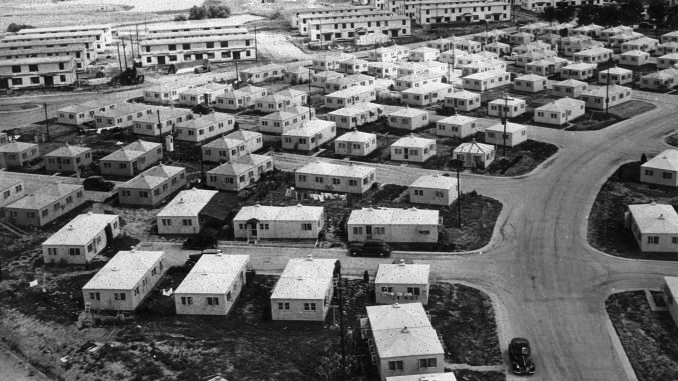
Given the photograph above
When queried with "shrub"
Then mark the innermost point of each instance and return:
(13, 28)
(180, 18)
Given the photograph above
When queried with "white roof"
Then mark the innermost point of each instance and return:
(474, 147)
(463, 94)
(351, 91)
(356, 136)
(213, 274)
(338, 170)
(511, 101)
(593, 51)
(240, 165)
(310, 128)
(45, 196)
(402, 273)
(425, 377)
(124, 271)
(511, 128)
(413, 141)
(670, 56)
(403, 330)
(600, 91)
(427, 88)
(68, 151)
(81, 229)
(357, 108)
(457, 120)
(393, 216)
(435, 182)
(655, 218)
(233, 139)
(486, 75)
(616, 70)
(667, 160)
(280, 213)
(580, 66)
(305, 278)
(406, 112)
(636, 52)
(531, 77)
(8, 182)
(570, 83)
(187, 203)
(563, 104)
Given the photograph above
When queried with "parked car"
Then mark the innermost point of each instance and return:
(97, 183)
(520, 356)
(371, 247)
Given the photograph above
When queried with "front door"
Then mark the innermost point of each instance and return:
(253, 230)
(4, 83)
(198, 56)
(236, 56)
(161, 60)
(368, 231)
(49, 80)
(406, 153)
(394, 33)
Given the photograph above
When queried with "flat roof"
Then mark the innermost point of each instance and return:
(338, 170)
(655, 218)
(401, 330)
(123, 109)
(305, 278)
(187, 203)
(393, 216)
(36, 60)
(213, 274)
(402, 273)
(81, 229)
(124, 271)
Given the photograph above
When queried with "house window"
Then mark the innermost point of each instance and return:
(428, 363)
(306, 227)
(309, 306)
(74, 251)
(379, 230)
(119, 296)
(667, 175)
(283, 306)
(214, 301)
(653, 240)
(413, 291)
(186, 300)
(358, 230)
(187, 222)
(395, 366)
(94, 296)
(649, 172)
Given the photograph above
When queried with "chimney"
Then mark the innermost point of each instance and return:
(404, 330)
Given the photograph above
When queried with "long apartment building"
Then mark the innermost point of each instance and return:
(539, 5)
(74, 43)
(182, 26)
(98, 37)
(350, 26)
(299, 17)
(77, 52)
(34, 72)
(216, 48)
(305, 23)
(105, 29)
(425, 12)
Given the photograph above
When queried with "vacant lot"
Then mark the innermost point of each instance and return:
(648, 337)
(606, 230)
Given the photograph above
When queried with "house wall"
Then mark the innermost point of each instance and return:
(512, 140)
(417, 56)
(11, 194)
(165, 96)
(61, 74)
(393, 233)
(17, 160)
(529, 86)
(308, 181)
(429, 196)
(425, 99)
(633, 60)
(511, 111)
(216, 155)
(40, 217)
(241, 181)
(576, 74)
(336, 102)
(68, 164)
(658, 176)
(619, 79)
(152, 128)
(463, 104)
(204, 133)
(414, 154)
(473, 160)
(278, 229)
(149, 197)
(308, 143)
(61, 253)
(355, 148)
(400, 288)
(408, 123)
(297, 312)
(456, 131)
(276, 126)
(665, 244)
(131, 168)
(234, 103)
(357, 120)
(200, 305)
(671, 304)
(176, 225)
(488, 83)
(410, 366)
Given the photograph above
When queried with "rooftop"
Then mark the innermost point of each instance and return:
(305, 278)
(338, 170)
(356, 109)
(427, 88)
(45, 196)
(123, 109)
(599, 91)
(402, 273)
(463, 94)
(570, 83)
(240, 165)
(667, 160)
(510, 127)
(124, 271)
(153, 177)
(81, 229)
(165, 114)
(402, 330)
(205, 120)
(233, 139)
(413, 141)
(655, 218)
(531, 77)
(187, 203)
(562, 105)
(457, 120)
(406, 112)
(132, 151)
(68, 151)
(310, 128)
(16, 147)
(435, 182)
(474, 147)
(394, 216)
(213, 274)
(356, 136)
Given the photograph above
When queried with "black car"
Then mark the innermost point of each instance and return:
(97, 183)
(371, 247)
(520, 356)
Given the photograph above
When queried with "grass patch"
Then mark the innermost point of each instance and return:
(472, 375)
(647, 337)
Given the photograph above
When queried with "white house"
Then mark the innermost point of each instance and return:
(183, 215)
(304, 290)
(83, 112)
(356, 115)
(654, 226)
(382, 69)
(547, 66)
(424, 53)
(162, 123)
(239, 99)
(581, 71)
(661, 169)
(416, 80)
(262, 73)
(309, 136)
(350, 96)
(240, 172)
(353, 66)
(402, 283)
(433, 190)
(355, 143)
(510, 108)
(616, 75)
(330, 177)
(455, 57)
(394, 225)
(660, 80)
(645, 44)
(320, 79)
(667, 60)
(205, 127)
(559, 112)
(285, 120)
(408, 118)
(122, 115)
(165, 93)
(389, 53)
(569, 88)
(486, 80)
(235, 144)
(463, 100)
(343, 83)
(521, 38)
(633, 58)
(81, 239)
(456, 126)
(125, 280)
(206, 94)
(667, 48)
(515, 134)
(595, 55)
(212, 286)
(595, 96)
(474, 155)
(413, 149)
(426, 95)
(278, 222)
(530, 83)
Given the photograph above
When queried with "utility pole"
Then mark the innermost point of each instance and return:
(162, 144)
(449, 73)
(136, 26)
(459, 165)
(124, 53)
(256, 50)
(117, 46)
(44, 105)
(237, 75)
(607, 92)
(503, 120)
(337, 269)
(131, 46)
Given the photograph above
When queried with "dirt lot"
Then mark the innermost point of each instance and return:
(606, 230)
(647, 337)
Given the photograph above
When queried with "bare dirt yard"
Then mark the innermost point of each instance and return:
(647, 336)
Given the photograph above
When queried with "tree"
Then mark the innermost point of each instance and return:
(587, 14)
(564, 13)
(197, 13)
(608, 15)
(657, 12)
(13, 28)
(550, 14)
(212, 11)
(180, 18)
(631, 12)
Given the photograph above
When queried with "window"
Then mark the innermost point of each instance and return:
(387, 289)
(667, 175)
(214, 301)
(74, 251)
(413, 291)
(306, 227)
(358, 230)
(119, 296)
(309, 306)
(653, 240)
(649, 172)
(186, 300)
(395, 366)
(283, 306)
(187, 222)
(94, 296)
(428, 363)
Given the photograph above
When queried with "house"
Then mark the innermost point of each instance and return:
(463, 100)
(433, 190)
(521, 38)
(654, 226)
(559, 112)
(212, 286)
(299, 16)
(465, 45)
(534, 28)
(594, 55)
(241, 98)
(165, 93)
(534, 46)
(153, 186)
(355, 143)
(669, 290)
(394, 225)
(82, 113)
(55, 71)
(288, 119)
(239, 173)
(482, 66)
(382, 69)
(297, 97)
(206, 127)
(335, 28)
(530, 83)
(645, 44)
(297, 75)
(474, 155)
(408, 118)
(613, 31)
(262, 73)
(122, 116)
(510, 135)
(670, 37)
(162, 123)
(68, 159)
(667, 61)
(45, 204)
(329, 61)
(4, 139)
(499, 48)
(580, 46)
(416, 80)
(206, 94)
(131, 159)
(633, 58)
(616, 75)
(350, 96)
(402, 283)
(569, 88)
(394, 330)
(441, 44)
(11, 190)
(81, 239)
(18, 154)
(321, 78)
(429, 376)
(343, 83)
(356, 115)
(78, 51)
(102, 31)
(310, 135)
(616, 41)
(423, 53)
(455, 57)
(278, 222)
(221, 47)
(235, 144)
(661, 169)
(591, 30)
(391, 53)
(184, 213)
(581, 71)
(667, 48)
(410, 68)
(353, 66)
(330, 177)
(661, 80)
(547, 66)
(272, 103)
(456, 126)
(426, 95)
(486, 80)
(506, 107)
(595, 96)
(524, 59)
(413, 149)
(125, 280)
(304, 290)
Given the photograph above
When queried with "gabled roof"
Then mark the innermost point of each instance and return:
(68, 151)
(338, 170)
(213, 274)
(187, 203)
(435, 182)
(45, 196)
(667, 160)
(561, 105)
(81, 229)
(153, 177)
(474, 147)
(240, 165)
(394, 216)
(655, 218)
(305, 279)
(511, 127)
(413, 141)
(124, 271)
(356, 136)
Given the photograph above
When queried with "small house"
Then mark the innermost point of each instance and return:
(122, 116)
(402, 283)
(633, 58)
(661, 169)
(81, 239)
(441, 44)
(356, 115)
(595, 96)
(416, 80)
(162, 123)
(424, 53)
(569, 88)
(474, 155)
(535, 28)
(667, 48)
(285, 120)
(433, 190)
(534, 46)
(239, 173)
(595, 55)
(547, 66)
(506, 107)
(581, 71)
(510, 135)
(350, 96)
(616, 75)
(660, 80)
(262, 73)
(644, 44)
(309, 136)
(486, 80)
(68, 159)
(613, 31)
(463, 100)
(456, 126)
(18, 154)
(82, 113)
(278, 222)
(465, 45)
(559, 112)
(235, 144)
(413, 149)
(479, 66)
(391, 53)
(184, 213)
(616, 41)
(410, 68)
(426, 95)
(321, 78)
(408, 118)
(297, 75)
(45, 204)
(524, 59)
(382, 69)
(165, 93)
(498, 48)
(394, 225)
(521, 38)
(329, 61)
(355, 143)
(353, 66)
(330, 177)
(153, 186)
(11, 190)
(132, 159)
(670, 37)
(206, 127)
(455, 57)
(206, 94)
(667, 61)
(530, 83)
(239, 99)
(125, 280)
(654, 226)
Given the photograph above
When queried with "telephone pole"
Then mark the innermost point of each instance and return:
(503, 120)
(117, 46)
(256, 50)
(341, 320)
(44, 105)
(237, 75)
(607, 93)
(124, 53)
(136, 26)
